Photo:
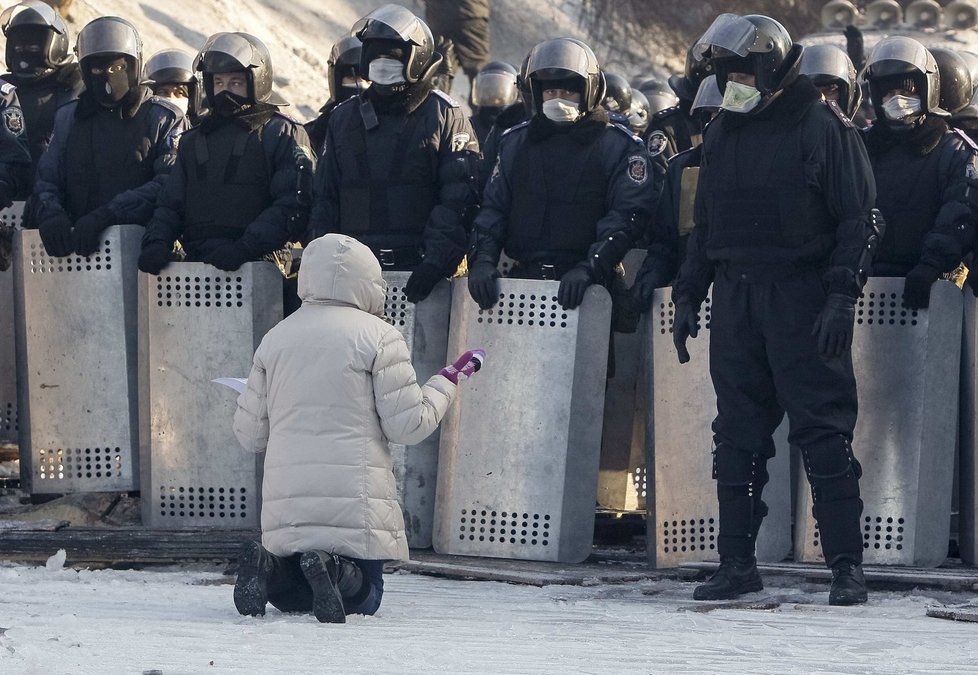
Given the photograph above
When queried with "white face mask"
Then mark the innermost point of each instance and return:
(181, 102)
(901, 107)
(386, 71)
(740, 98)
(561, 110)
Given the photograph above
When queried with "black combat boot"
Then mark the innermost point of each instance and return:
(332, 578)
(735, 576)
(255, 565)
(848, 583)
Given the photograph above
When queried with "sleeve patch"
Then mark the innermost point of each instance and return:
(657, 143)
(638, 169)
(460, 141)
(13, 120)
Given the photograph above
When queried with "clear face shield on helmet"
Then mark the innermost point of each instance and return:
(494, 90)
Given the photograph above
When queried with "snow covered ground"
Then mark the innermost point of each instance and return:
(55, 621)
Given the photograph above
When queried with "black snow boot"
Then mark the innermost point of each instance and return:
(255, 564)
(331, 578)
(848, 583)
(735, 576)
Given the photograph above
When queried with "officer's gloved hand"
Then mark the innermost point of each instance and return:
(54, 226)
(422, 280)
(464, 366)
(834, 325)
(154, 257)
(685, 325)
(916, 287)
(574, 283)
(86, 237)
(229, 257)
(646, 282)
(482, 283)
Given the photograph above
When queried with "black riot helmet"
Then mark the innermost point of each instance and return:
(827, 64)
(495, 86)
(37, 39)
(639, 113)
(660, 96)
(753, 44)
(618, 96)
(237, 52)
(397, 28)
(344, 61)
(102, 41)
(566, 59)
(697, 68)
(898, 62)
(957, 87)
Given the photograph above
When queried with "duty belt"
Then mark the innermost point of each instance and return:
(406, 256)
(543, 271)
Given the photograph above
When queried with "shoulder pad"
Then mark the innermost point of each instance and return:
(286, 116)
(665, 112)
(163, 103)
(445, 97)
(514, 128)
(837, 111)
(622, 128)
(967, 139)
(6, 87)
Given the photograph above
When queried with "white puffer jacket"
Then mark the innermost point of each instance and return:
(330, 386)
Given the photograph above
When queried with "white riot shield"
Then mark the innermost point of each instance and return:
(425, 329)
(518, 467)
(907, 366)
(196, 324)
(76, 359)
(683, 516)
(8, 349)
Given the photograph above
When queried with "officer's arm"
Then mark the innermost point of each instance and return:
(633, 193)
(662, 237)
(489, 229)
(50, 181)
(167, 223)
(850, 192)
(136, 206)
(953, 233)
(324, 216)
(15, 155)
(446, 233)
(270, 230)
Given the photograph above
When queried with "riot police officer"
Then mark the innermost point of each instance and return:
(925, 173)
(494, 92)
(345, 81)
(41, 66)
(399, 167)
(785, 189)
(111, 148)
(957, 90)
(570, 190)
(170, 74)
(675, 129)
(831, 71)
(639, 113)
(232, 196)
(507, 119)
(617, 99)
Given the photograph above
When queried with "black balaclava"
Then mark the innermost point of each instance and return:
(29, 65)
(110, 88)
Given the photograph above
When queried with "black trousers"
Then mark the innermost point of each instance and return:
(288, 590)
(764, 362)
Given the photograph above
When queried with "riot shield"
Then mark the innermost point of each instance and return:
(198, 323)
(425, 329)
(76, 363)
(8, 352)
(907, 366)
(968, 443)
(683, 516)
(518, 463)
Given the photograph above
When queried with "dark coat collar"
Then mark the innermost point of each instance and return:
(789, 106)
(921, 140)
(127, 109)
(403, 103)
(251, 118)
(585, 130)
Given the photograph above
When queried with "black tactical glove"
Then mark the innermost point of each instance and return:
(54, 226)
(834, 325)
(86, 237)
(855, 46)
(482, 283)
(916, 287)
(648, 279)
(154, 257)
(685, 324)
(229, 257)
(422, 280)
(574, 283)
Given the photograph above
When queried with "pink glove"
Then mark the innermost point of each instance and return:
(464, 366)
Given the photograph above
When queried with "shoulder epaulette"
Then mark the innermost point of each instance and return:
(631, 134)
(166, 104)
(286, 116)
(514, 128)
(665, 112)
(6, 87)
(966, 138)
(445, 97)
(837, 111)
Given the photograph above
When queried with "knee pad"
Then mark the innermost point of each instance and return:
(833, 471)
(733, 467)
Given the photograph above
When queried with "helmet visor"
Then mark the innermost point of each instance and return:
(561, 55)
(827, 60)
(494, 90)
(897, 49)
(228, 48)
(395, 18)
(108, 35)
(34, 13)
(728, 35)
(708, 95)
